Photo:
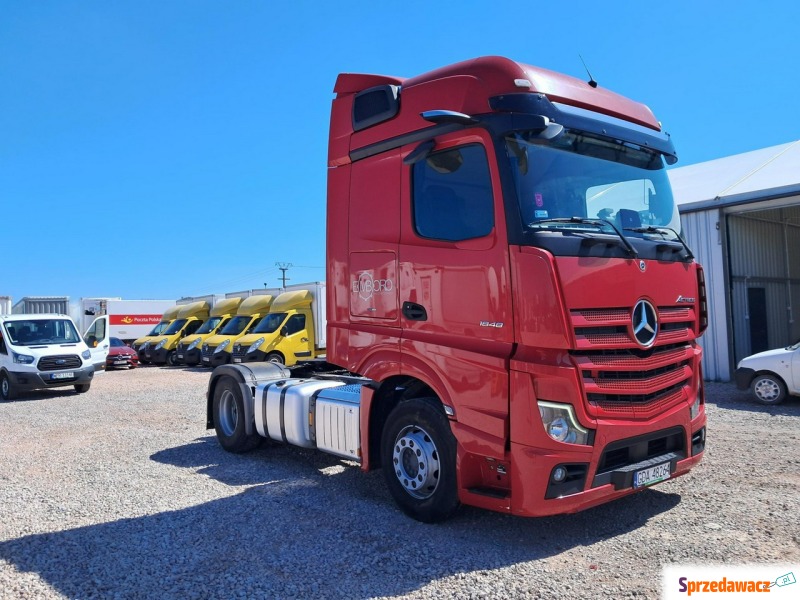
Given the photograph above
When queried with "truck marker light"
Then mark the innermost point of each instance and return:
(522, 83)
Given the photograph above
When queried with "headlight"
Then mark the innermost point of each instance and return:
(86, 354)
(23, 359)
(194, 344)
(161, 344)
(222, 346)
(256, 345)
(145, 345)
(560, 423)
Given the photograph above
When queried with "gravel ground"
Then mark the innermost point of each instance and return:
(122, 493)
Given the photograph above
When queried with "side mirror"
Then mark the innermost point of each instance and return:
(284, 331)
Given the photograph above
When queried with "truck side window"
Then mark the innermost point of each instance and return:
(452, 194)
(296, 323)
(192, 327)
(3, 349)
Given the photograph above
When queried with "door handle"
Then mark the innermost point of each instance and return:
(414, 312)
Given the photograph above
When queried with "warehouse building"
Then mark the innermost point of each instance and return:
(741, 217)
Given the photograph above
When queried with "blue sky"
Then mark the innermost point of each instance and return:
(153, 149)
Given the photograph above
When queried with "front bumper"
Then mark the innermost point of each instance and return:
(41, 380)
(246, 357)
(744, 377)
(157, 357)
(593, 480)
(116, 362)
(215, 359)
(189, 357)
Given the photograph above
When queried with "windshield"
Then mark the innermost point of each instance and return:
(236, 325)
(588, 177)
(159, 328)
(209, 325)
(270, 323)
(34, 332)
(176, 326)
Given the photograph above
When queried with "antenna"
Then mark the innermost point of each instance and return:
(283, 267)
(592, 82)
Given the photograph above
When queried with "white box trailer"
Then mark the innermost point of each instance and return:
(128, 319)
(318, 309)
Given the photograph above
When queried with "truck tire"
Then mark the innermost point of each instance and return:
(82, 388)
(172, 360)
(229, 414)
(768, 389)
(275, 358)
(7, 389)
(418, 454)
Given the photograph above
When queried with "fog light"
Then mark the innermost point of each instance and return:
(559, 474)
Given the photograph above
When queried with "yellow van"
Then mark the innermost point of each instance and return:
(166, 320)
(217, 348)
(162, 350)
(189, 350)
(293, 330)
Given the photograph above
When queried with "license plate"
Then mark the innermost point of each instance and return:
(62, 375)
(206, 359)
(651, 475)
(237, 360)
(120, 362)
(180, 355)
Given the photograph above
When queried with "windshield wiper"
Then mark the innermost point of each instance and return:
(599, 223)
(660, 231)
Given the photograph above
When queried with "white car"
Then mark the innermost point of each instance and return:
(771, 375)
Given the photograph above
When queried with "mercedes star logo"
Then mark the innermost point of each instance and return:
(644, 321)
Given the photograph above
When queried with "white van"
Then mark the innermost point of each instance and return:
(42, 351)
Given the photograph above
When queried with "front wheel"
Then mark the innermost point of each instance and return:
(274, 358)
(7, 389)
(82, 388)
(172, 360)
(418, 454)
(229, 418)
(768, 389)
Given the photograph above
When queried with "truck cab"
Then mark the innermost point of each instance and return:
(287, 333)
(512, 312)
(163, 349)
(217, 348)
(143, 343)
(43, 351)
(189, 350)
(504, 239)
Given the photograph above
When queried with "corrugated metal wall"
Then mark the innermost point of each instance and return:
(42, 304)
(764, 249)
(704, 235)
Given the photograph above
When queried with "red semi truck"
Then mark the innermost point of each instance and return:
(512, 314)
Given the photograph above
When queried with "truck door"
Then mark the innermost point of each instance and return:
(794, 385)
(455, 292)
(97, 338)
